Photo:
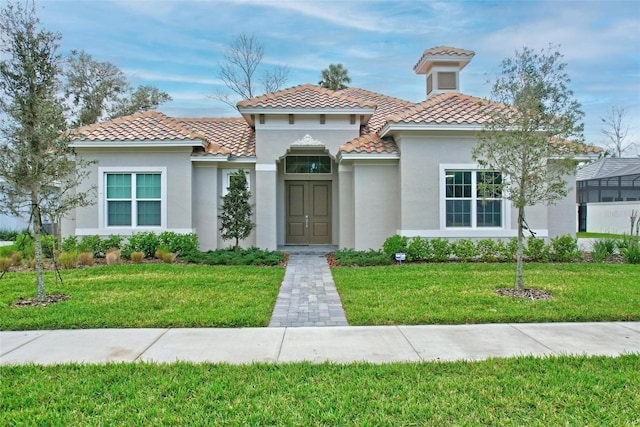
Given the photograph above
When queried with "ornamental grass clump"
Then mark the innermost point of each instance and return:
(603, 249)
(113, 256)
(85, 258)
(169, 258)
(68, 260)
(5, 263)
(136, 257)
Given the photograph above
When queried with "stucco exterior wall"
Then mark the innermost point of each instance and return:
(376, 202)
(178, 179)
(610, 217)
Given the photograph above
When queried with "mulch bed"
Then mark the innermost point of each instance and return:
(48, 299)
(532, 294)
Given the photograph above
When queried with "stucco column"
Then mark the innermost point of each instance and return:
(266, 209)
(346, 238)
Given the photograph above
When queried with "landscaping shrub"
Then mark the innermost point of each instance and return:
(85, 258)
(69, 243)
(603, 249)
(464, 249)
(418, 249)
(180, 244)
(251, 256)
(161, 252)
(564, 249)
(68, 260)
(507, 250)
(395, 244)
(631, 254)
(6, 251)
(5, 263)
(113, 241)
(146, 241)
(91, 244)
(488, 250)
(16, 258)
(136, 257)
(440, 249)
(8, 235)
(536, 250)
(350, 257)
(24, 244)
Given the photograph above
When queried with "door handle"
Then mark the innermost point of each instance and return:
(306, 221)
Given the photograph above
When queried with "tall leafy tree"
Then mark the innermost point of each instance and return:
(243, 74)
(335, 77)
(532, 118)
(100, 90)
(39, 174)
(235, 215)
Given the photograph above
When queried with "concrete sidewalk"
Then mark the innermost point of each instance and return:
(378, 344)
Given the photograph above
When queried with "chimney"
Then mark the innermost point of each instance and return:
(442, 66)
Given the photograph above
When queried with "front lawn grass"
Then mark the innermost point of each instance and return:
(460, 293)
(145, 296)
(521, 391)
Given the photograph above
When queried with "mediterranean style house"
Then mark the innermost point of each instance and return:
(347, 168)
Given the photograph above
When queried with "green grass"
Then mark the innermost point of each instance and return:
(459, 293)
(520, 391)
(144, 296)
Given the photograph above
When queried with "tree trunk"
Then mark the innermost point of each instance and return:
(520, 251)
(237, 245)
(37, 243)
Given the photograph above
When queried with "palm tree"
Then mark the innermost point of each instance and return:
(335, 77)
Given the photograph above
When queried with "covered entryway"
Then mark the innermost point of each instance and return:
(308, 210)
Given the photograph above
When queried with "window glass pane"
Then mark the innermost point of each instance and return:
(489, 185)
(148, 186)
(458, 184)
(308, 164)
(119, 213)
(149, 213)
(458, 213)
(489, 213)
(118, 186)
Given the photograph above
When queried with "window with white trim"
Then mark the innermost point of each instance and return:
(473, 199)
(133, 199)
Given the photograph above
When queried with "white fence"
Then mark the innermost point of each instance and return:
(613, 217)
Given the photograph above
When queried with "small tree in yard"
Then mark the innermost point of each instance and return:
(39, 174)
(235, 218)
(531, 120)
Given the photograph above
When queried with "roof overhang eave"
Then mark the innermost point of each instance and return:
(138, 143)
(368, 156)
(305, 110)
(393, 127)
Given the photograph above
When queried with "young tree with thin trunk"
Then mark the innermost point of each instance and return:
(615, 129)
(335, 77)
(239, 72)
(532, 116)
(235, 215)
(38, 171)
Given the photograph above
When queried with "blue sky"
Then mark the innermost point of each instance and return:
(177, 45)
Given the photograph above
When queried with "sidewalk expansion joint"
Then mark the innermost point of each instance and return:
(151, 345)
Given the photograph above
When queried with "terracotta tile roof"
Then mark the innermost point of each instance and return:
(226, 135)
(145, 126)
(447, 108)
(370, 144)
(305, 96)
(386, 106)
(445, 51)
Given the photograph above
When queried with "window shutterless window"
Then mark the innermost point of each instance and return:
(473, 199)
(133, 199)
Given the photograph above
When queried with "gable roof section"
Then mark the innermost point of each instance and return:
(370, 144)
(306, 96)
(225, 135)
(386, 106)
(446, 109)
(607, 168)
(147, 127)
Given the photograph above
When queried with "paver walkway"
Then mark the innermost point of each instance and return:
(308, 294)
